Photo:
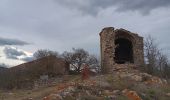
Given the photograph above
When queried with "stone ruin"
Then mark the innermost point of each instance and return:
(120, 47)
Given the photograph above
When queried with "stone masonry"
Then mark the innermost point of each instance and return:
(118, 47)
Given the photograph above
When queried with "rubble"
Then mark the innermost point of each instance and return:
(168, 94)
(132, 95)
(102, 87)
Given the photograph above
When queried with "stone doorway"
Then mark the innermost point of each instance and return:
(123, 51)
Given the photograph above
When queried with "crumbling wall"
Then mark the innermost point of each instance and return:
(107, 43)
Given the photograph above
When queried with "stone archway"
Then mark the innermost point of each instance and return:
(124, 47)
(123, 51)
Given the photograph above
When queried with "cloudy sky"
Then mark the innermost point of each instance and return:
(29, 25)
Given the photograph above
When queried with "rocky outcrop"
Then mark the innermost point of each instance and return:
(132, 95)
(128, 71)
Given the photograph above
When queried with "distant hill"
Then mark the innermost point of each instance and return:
(21, 75)
(3, 68)
(46, 65)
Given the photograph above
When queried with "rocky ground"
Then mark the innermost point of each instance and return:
(123, 84)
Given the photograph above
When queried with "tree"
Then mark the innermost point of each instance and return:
(93, 63)
(151, 53)
(44, 53)
(78, 57)
(157, 61)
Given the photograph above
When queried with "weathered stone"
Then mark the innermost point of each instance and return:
(116, 91)
(132, 95)
(104, 84)
(30, 98)
(131, 76)
(168, 94)
(154, 80)
(120, 47)
(55, 97)
(136, 78)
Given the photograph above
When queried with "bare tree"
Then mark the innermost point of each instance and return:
(151, 52)
(44, 53)
(94, 63)
(78, 57)
(156, 60)
(166, 73)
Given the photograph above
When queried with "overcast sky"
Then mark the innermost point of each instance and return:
(62, 24)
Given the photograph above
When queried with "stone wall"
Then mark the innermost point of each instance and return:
(107, 43)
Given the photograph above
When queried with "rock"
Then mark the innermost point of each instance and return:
(125, 75)
(137, 78)
(107, 93)
(164, 81)
(132, 76)
(145, 76)
(46, 98)
(112, 97)
(104, 84)
(154, 80)
(10, 93)
(168, 94)
(124, 91)
(54, 97)
(71, 88)
(131, 94)
(116, 91)
(87, 92)
(149, 79)
(30, 98)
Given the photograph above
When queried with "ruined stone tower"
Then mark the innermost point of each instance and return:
(119, 46)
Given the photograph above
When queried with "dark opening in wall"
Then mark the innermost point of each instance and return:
(123, 51)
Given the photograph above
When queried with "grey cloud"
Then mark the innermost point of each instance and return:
(2, 66)
(59, 25)
(6, 41)
(12, 53)
(144, 6)
(93, 6)
(27, 59)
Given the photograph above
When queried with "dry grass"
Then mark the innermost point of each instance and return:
(24, 94)
(36, 94)
(146, 92)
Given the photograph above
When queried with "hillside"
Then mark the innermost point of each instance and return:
(24, 75)
(2, 69)
(125, 83)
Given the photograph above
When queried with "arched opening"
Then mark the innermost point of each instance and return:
(123, 51)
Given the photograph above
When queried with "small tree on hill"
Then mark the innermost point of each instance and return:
(156, 60)
(44, 53)
(78, 57)
(151, 53)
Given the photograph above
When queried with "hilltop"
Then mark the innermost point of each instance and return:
(125, 83)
